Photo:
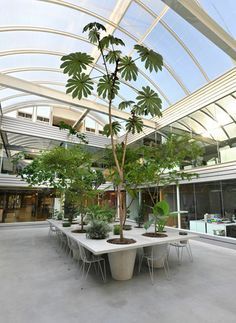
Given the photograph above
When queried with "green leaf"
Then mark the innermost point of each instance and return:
(116, 127)
(94, 36)
(94, 25)
(148, 103)
(106, 88)
(134, 124)
(74, 63)
(72, 131)
(106, 41)
(113, 56)
(161, 208)
(125, 104)
(128, 69)
(152, 59)
(80, 86)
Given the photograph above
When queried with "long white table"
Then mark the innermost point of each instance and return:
(98, 247)
(121, 257)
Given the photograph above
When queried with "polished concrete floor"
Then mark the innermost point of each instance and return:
(40, 285)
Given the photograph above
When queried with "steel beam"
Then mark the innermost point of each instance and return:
(42, 91)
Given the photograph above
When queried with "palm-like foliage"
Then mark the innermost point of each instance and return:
(128, 69)
(108, 87)
(153, 60)
(114, 129)
(80, 86)
(148, 102)
(74, 63)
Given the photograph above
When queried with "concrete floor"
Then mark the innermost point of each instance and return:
(40, 285)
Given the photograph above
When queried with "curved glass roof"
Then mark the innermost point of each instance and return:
(35, 34)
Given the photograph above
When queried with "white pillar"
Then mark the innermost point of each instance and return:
(118, 206)
(178, 206)
(139, 197)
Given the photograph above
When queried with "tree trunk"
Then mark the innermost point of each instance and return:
(121, 211)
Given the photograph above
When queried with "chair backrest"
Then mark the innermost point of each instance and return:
(158, 252)
(84, 253)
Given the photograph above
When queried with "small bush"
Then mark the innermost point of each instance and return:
(98, 230)
(116, 229)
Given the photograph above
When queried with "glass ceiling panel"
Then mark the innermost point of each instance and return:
(208, 122)
(101, 7)
(223, 12)
(204, 50)
(193, 124)
(136, 20)
(29, 60)
(44, 14)
(231, 130)
(155, 5)
(129, 42)
(218, 134)
(42, 40)
(175, 56)
(229, 103)
(221, 116)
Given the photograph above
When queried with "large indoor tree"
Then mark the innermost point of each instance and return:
(116, 67)
(69, 171)
(161, 164)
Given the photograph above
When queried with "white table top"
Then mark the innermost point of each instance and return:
(99, 247)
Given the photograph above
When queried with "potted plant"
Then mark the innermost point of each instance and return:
(161, 212)
(116, 67)
(98, 229)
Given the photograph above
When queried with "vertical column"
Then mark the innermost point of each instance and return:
(178, 206)
(118, 206)
(139, 197)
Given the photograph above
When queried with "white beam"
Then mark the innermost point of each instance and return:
(208, 94)
(81, 118)
(199, 19)
(43, 91)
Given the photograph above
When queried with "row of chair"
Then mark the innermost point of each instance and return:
(86, 259)
(77, 252)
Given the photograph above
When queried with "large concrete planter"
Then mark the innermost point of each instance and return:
(122, 264)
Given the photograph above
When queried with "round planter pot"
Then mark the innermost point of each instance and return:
(122, 264)
(155, 234)
(78, 231)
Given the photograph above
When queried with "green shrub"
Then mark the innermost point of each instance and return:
(98, 230)
(101, 213)
(116, 229)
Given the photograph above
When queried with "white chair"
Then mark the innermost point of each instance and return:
(179, 247)
(62, 240)
(52, 230)
(88, 259)
(73, 249)
(155, 255)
